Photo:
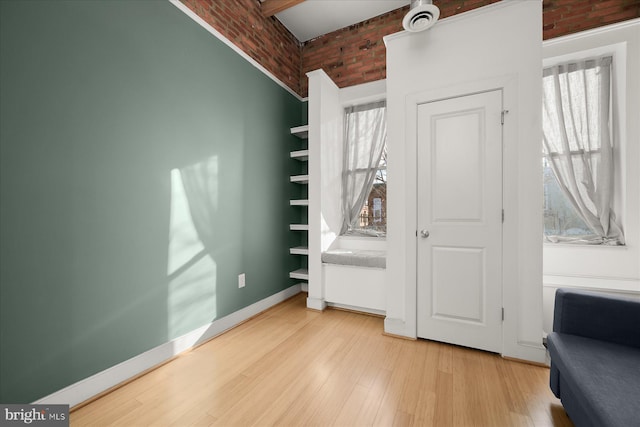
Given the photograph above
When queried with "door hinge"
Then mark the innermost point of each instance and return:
(503, 216)
(503, 314)
(502, 114)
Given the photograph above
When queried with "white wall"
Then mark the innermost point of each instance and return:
(325, 124)
(493, 45)
(614, 269)
(326, 111)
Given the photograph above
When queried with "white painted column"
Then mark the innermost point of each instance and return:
(325, 131)
(500, 42)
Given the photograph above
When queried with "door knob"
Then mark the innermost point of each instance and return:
(424, 233)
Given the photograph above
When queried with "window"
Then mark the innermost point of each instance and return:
(373, 216)
(364, 172)
(560, 218)
(578, 154)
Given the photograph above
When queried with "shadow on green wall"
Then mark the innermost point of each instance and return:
(143, 165)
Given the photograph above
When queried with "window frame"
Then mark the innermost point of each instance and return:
(351, 96)
(618, 125)
(367, 233)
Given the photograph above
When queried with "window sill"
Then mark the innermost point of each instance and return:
(629, 285)
(362, 237)
(582, 245)
(361, 243)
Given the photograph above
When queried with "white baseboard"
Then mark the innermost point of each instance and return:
(316, 304)
(527, 351)
(356, 308)
(90, 387)
(397, 327)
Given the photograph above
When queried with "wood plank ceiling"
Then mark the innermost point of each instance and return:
(271, 7)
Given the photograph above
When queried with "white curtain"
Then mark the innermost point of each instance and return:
(365, 135)
(577, 144)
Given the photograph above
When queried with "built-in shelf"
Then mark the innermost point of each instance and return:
(301, 132)
(301, 274)
(299, 250)
(300, 179)
(301, 155)
(299, 227)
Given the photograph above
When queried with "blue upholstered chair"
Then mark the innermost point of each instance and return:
(595, 358)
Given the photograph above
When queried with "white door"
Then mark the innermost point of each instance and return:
(460, 221)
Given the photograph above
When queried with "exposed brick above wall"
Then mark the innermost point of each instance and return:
(264, 39)
(357, 54)
(352, 55)
(562, 17)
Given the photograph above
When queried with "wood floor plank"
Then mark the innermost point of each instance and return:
(444, 405)
(291, 366)
(371, 404)
(349, 415)
(401, 371)
(281, 376)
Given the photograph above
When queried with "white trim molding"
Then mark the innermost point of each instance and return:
(398, 327)
(317, 304)
(609, 284)
(433, 65)
(595, 267)
(356, 309)
(88, 388)
(191, 14)
(490, 8)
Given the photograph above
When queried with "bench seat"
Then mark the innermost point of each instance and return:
(356, 257)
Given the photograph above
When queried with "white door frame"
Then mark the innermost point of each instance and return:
(438, 317)
(509, 86)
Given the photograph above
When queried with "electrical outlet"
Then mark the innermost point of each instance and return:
(241, 280)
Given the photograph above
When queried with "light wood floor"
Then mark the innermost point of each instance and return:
(290, 366)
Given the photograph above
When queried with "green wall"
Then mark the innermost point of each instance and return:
(305, 113)
(100, 102)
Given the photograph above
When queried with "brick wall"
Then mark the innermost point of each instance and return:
(562, 17)
(264, 39)
(352, 55)
(357, 54)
